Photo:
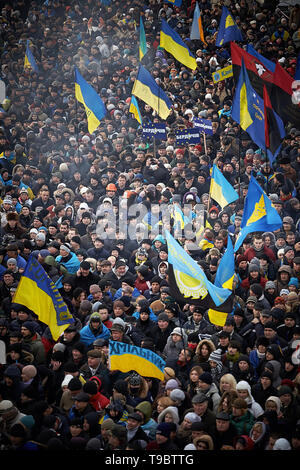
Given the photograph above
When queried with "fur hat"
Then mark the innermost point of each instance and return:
(12, 216)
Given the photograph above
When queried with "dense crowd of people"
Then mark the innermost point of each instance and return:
(235, 387)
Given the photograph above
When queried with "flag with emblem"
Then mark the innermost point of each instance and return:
(228, 29)
(259, 213)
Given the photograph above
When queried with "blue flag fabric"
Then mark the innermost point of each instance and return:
(190, 278)
(228, 29)
(267, 63)
(297, 73)
(259, 214)
(226, 268)
(248, 111)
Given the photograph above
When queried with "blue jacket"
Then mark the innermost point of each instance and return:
(72, 265)
(88, 337)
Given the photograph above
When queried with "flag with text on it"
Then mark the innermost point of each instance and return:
(259, 214)
(93, 104)
(249, 110)
(127, 357)
(38, 293)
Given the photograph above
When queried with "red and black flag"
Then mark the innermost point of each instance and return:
(274, 128)
(278, 83)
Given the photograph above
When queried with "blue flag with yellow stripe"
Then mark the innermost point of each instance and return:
(146, 88)
(225, 271)
(135, 110)
(38, 293)
(259, 213)
(220, 189)
(228, 29)
(172, 43)
(190, 279)
(93, 104)
(29, 61)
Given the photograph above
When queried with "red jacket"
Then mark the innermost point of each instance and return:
(251, 253)
(98, 401)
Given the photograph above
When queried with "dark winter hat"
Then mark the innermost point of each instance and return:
(82, 396)
(163, 317)
(90, 388)
(223, 416)
(206, 377)
(163, 429)
(136, 417)
(199, 398)
(267, 374)
(285, 389)
(30, 325)
(74, 384)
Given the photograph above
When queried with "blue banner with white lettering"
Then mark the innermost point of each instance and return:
(189, 136)
(205, 125)
(158, 131)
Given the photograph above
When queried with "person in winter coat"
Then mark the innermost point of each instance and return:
(283, 277)
(10, 386)
(242, 370)
(149, 425)
(241, 417)
(244, 391)
(97, 399)
(259, 435)
(68, 259)
(91, 424)
(175, 343)
(93, 330)
(33, 341)
(135, 431)
(169, 414)
(264, 388)
(144, 326)
(210, 390)
(161, 331)
(203, 351)
(138, 390)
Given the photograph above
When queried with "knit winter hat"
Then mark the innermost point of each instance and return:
(215, 356)
(171, 384)
(206, 377)
(269, 285)
(193, 417)
(177, 395)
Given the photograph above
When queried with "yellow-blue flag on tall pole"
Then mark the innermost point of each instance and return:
(172, 43)
(197, 28)
(220, 189)
(259, 213)
(29, 60)
(225, 271)
(93, 104)
(228, 29)
(146, 88)
(135, 110)
(38, 293)
(143, 43)
(127, 357)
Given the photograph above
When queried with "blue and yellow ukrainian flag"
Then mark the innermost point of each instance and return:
(220, 189)
(38, 293)
(126, 357)
(93, 104)
(228, 29)
(29, 61)
(178, 218)
(135, 110)
(143, 43)
(259, 213)
(172, 43)
(190, 278)
(146, 88)
(225, 271)
(248, 109)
